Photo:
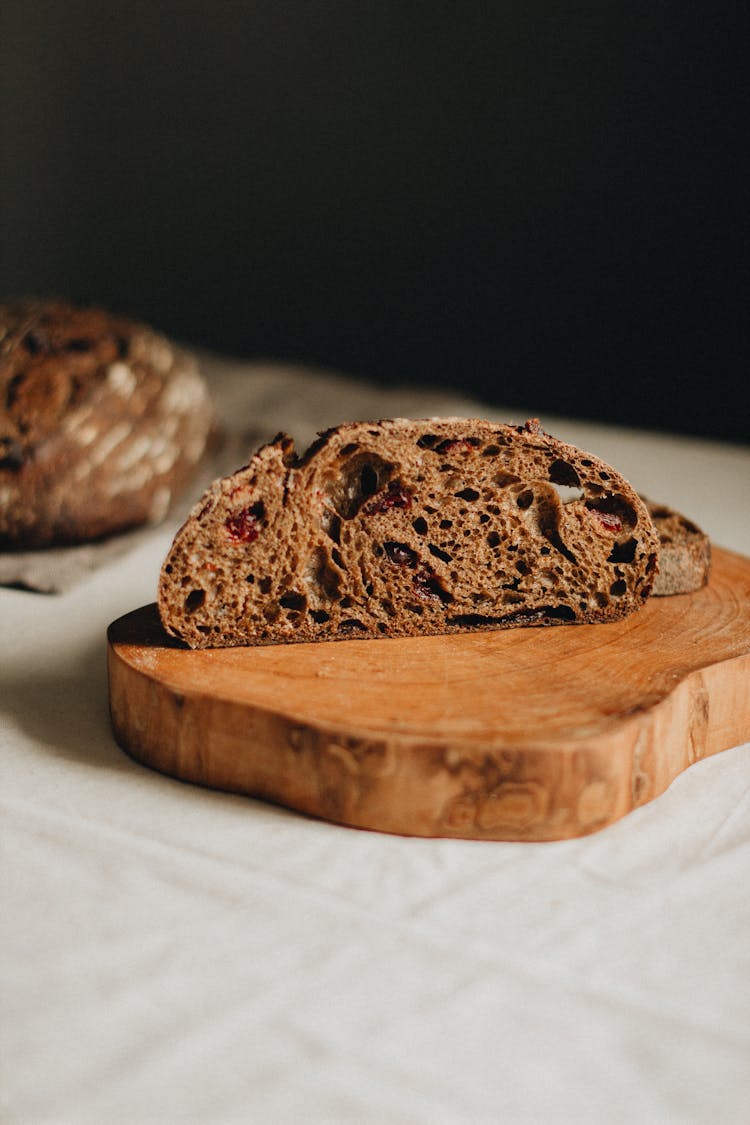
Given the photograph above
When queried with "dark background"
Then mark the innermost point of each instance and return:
(541, 204)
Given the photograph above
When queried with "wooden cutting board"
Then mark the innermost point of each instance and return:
(525, 734)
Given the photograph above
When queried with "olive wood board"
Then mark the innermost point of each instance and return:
(519, 734)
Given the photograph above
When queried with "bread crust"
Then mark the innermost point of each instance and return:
(407, 527)
(102, 423)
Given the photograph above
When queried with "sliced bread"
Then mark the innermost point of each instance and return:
(402, 528)
(684, 552)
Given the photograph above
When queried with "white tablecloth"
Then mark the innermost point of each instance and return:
(171, 954)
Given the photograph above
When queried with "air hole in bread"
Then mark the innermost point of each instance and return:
(319, 616)
(359, 478)
(561, 472)
(618, 587)
(293, 600)
(11, 454)
(503, 478)
(320, 575)
(13, 390)
(525, 499)
(33, 342)
(473, 620)
(457, 444)
(623, 552)
(427, 585)
(400, 554)
(368, 482)
(559, 612)
(469, 494)
(438, 553)
(194, 600)
(552, 535)
(616, 505)
(352, 625)
(420, 525)
(332, 525)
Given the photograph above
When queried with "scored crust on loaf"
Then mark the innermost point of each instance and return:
(684, 552)
(402, 528)
(102, 423)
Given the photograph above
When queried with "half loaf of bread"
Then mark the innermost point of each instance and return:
(401, 528)
(102, 423)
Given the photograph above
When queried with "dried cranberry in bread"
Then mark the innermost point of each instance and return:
(400, 528)
(684, 552)
(102, 423)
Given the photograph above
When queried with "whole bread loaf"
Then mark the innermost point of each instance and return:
(400, 528)
(102, 423)
(684, 552)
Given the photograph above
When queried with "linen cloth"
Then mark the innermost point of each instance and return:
(172, 954)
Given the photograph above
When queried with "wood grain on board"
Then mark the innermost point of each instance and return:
(523, 734)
